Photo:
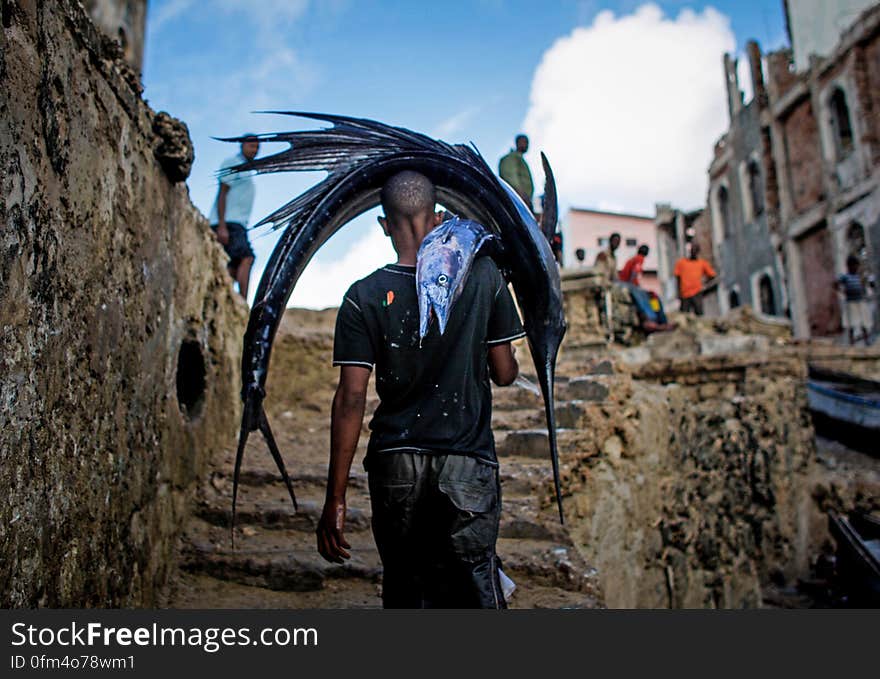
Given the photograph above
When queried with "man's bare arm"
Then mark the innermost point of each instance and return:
(222, 231)
(503, 368)
(346, 420)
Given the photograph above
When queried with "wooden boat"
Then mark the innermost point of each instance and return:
(845, 398)
(858, 556)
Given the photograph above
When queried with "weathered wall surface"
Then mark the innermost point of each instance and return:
(695, 488)
(106, 271)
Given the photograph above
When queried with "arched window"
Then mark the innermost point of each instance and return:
(756, 187)
(733, 298)
(855, 241)
(767, 301)
(840, 123)
(724, 210)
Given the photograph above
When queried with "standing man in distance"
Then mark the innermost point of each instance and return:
(432, 470)
(857, 312)
(690, 272)
(515, 171)
(231, 212)
(606, 261)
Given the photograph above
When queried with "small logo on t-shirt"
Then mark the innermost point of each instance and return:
(389, 298)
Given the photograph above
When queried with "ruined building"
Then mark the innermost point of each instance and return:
(825, 123)
(742, 201)
(793, 185)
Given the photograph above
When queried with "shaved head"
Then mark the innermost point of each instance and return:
(408, 195)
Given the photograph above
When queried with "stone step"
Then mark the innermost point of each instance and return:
(535, 443)
(521, 517)
(302, 461)
(540, 597)
(311, 483)
(595, 389)
(572, 414)
(524, 519)
(285, 560)
(519, 418)
(547, 563)
(269, 506)
(200, 591)
(525, 477)
(514, 398)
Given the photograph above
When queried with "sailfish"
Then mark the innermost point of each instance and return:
(359, 156)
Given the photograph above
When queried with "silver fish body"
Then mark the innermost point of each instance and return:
(443, 263)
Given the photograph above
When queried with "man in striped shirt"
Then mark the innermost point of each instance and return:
(856, 307)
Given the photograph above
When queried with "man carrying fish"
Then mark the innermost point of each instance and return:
(431, 464)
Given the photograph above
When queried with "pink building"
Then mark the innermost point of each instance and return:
(590, 230)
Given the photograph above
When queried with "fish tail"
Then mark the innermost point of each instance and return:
(547, 378)
(276, 455)
(239, 456)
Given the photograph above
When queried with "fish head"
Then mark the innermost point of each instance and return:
(442, 265)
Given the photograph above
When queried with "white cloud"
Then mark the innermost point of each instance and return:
(628, 109)
(326, 279)
(454, 123)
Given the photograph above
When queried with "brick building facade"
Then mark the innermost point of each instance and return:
(794, 185)
(824, 124)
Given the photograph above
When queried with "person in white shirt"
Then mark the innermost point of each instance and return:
(231, 212)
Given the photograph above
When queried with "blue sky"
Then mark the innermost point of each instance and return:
(476, 71)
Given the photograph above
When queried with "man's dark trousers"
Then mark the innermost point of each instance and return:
(435, 520)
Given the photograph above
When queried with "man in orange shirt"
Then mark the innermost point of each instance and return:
(689, 273)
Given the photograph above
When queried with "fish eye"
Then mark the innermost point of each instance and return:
(442, 278)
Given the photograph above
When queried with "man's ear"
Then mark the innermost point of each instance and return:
(383, 222)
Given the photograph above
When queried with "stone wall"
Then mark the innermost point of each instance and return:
(119, 331)
(694, 488)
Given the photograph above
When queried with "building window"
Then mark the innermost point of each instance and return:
(855, 241)
(724, 211)
(733, 299)
(841, 124)
(756, 187)
(603, 242)
(857, 245)
(631, 242)
(767, 300)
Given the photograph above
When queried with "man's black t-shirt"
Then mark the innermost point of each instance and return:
(435, 397)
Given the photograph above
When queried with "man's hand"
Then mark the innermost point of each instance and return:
(331, 542)
(222, 233)
(346, 418)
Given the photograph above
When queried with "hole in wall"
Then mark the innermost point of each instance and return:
(190, 378)
(6, 11)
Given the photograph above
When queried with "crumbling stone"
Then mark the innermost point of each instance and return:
(174, 149)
